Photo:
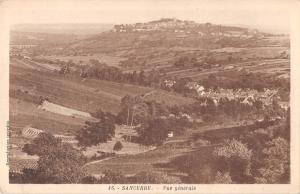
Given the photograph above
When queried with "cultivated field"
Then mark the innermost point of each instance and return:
(29, 85)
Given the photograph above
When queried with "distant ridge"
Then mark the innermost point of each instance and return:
(67, 28)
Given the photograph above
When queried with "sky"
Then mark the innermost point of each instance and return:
(268, 14)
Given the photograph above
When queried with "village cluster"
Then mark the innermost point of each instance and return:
(248, 95)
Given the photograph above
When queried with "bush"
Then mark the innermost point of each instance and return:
(118, 146)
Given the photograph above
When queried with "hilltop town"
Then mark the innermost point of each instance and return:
(188, 27)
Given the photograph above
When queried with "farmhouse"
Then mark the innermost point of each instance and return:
(170, 134)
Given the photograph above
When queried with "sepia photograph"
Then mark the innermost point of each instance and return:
(137, 93)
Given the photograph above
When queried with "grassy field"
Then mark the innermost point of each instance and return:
(23, 113)
(62, 91)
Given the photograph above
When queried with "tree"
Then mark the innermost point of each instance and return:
(118, 146)
(180, 86)
(95, 133)
(140, 112)
(211, 82)
(153, 131)
(179, 125)
(58, 162)
(134, 77)
(276, 165)
(41, 144)
(104, 116)
(128, 105)
(70, 62)
(94, 62)
(237, 156)
(142, 77)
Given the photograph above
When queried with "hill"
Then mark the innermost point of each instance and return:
(172, 45)
(177, 47)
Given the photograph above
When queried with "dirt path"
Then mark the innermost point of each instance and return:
(97, 161)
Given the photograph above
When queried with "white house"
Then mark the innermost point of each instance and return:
(170, 134)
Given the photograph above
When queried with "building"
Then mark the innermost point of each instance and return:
(30, 132)
(169, 83)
